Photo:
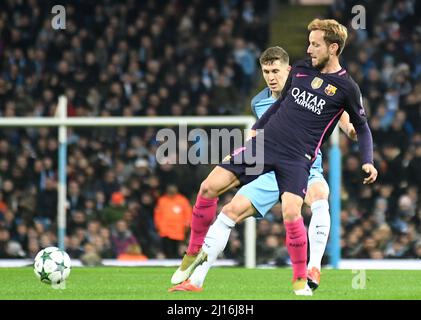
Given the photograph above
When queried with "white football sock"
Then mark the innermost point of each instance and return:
(318, 232)
(215, 242)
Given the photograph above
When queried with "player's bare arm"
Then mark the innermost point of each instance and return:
(347, 127)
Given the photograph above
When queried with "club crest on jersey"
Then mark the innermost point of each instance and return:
(330, 90)
(316, 83)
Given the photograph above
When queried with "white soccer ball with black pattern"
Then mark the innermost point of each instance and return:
(52, 265)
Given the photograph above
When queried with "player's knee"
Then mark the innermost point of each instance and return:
(232, 210)
(207, 189)
(317, 193)
(291, 213)
(321, 194)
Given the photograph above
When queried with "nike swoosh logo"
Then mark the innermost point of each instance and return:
(320, 226)
(300, 75)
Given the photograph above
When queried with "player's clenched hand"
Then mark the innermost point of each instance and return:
(371, 171)
(351, 133)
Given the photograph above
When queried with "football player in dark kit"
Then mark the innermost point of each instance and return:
(295, 126)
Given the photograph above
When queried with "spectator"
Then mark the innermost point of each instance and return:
(103, 247)
(14, 250)
(4, 240)
(74, 198)
(405, 212)
(132, 253)
(90, 257)
(77, 221)
(74, 248)
(47, 201)
(115, 211)
(122, 239)
(417, 249)
(172, 219)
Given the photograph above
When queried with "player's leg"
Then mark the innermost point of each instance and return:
(214, 243)
(204, 210)
(237, 166)
(217, 237)
(258, 196)
(296, 240)
(318, 232)
(292, 181)
(217, 182)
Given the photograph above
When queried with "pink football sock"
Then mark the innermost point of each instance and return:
(296, 241)
(204, 212)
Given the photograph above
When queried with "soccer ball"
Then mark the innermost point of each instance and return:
(52, 265)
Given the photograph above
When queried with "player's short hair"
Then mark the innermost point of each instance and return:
(334, 32)
(274, 53)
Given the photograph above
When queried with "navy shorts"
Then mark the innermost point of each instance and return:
(291, 176)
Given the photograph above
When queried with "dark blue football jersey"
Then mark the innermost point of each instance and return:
(312, 103)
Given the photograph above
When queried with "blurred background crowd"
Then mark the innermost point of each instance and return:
(150, 58)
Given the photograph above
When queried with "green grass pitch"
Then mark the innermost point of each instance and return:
(146, 283)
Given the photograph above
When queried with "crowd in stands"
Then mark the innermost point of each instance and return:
(384, 220)
(115, 58)
(149, 58)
